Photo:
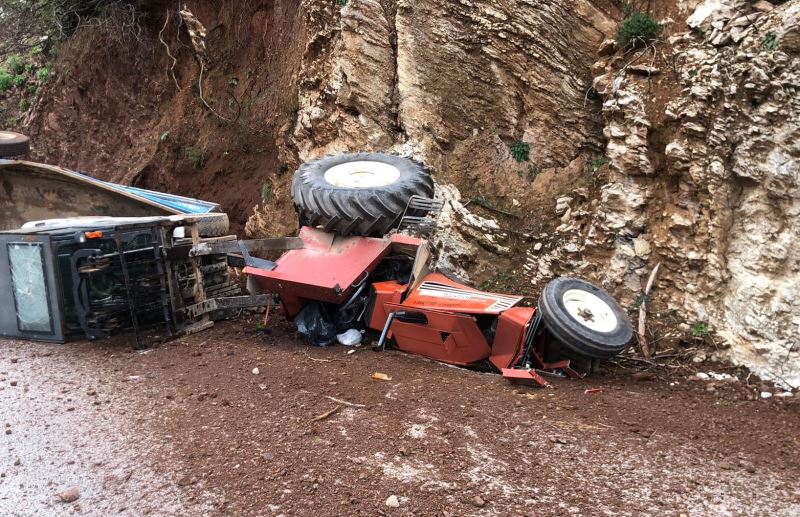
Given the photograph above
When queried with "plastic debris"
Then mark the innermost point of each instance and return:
(381, 376)
(350, 337)
(315, 325)
(592, 391)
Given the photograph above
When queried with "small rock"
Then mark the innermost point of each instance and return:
(641, 247)
(14, 360)
(763, 6)
(562, 204)
(256, 371)
(766, 395)
(187, 480)
(392, 501)
(70, 495)
(537, 246)
(607, 47)
(478, 501)
(13, 383)
(8, 431)
(17, 462)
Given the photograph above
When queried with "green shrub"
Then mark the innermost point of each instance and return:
(20, 80)
(594, 165)
(24, 105)
(637, 30)
(266, 191)
(6, 81)
(520, 150)
(770, 41)
(43, 73)
(195, 156)
(15, 64)
(700, 329)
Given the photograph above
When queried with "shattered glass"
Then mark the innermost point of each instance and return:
(30, 291)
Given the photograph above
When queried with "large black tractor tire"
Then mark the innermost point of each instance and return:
(584, 318)
(212, 225)
(13, 144)
(358, 194)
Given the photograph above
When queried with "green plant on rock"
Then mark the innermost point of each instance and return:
(594, 165)
(700, 329)
(266, 191)
(637, 30)
(520, 150)
(770, 41)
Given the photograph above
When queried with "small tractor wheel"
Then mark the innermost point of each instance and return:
(358, 194)
(584, 318)
(13, 144)
(212, 225)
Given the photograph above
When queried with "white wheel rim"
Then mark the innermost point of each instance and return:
(362, 174)
(589, 310)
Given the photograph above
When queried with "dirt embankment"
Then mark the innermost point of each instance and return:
(113, 109)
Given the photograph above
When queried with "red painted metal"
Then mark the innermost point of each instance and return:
(438, 292)
(448, 337)
(384, 293)
(528, 377)
(509, 338)
(324, 269)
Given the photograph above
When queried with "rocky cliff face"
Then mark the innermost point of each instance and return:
(720, 211)
(699, 132)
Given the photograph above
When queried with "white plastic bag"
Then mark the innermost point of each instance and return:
(350, 337)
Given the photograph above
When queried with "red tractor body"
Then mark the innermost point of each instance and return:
(427, 314)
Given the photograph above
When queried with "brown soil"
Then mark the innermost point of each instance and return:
(189, 429)
(117, 95)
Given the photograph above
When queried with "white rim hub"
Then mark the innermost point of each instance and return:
(589, 310)
(362, 174)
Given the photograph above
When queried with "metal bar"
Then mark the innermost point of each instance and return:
(257, 246)
(230, 302)
(126, 278)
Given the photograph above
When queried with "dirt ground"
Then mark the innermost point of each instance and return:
(190, 428)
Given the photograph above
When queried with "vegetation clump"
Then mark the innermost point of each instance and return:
(637, 30)
(520, 150)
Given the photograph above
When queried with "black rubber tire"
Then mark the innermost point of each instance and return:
(372, 211)
(13, 144)
(572, 334)
(212, 225)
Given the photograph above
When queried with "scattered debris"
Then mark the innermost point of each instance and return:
(344, 402)
(256, 371)
(392, 501)
(381, 376)
(592, 391)
(326, 414)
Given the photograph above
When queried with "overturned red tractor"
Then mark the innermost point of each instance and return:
(362, 263)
